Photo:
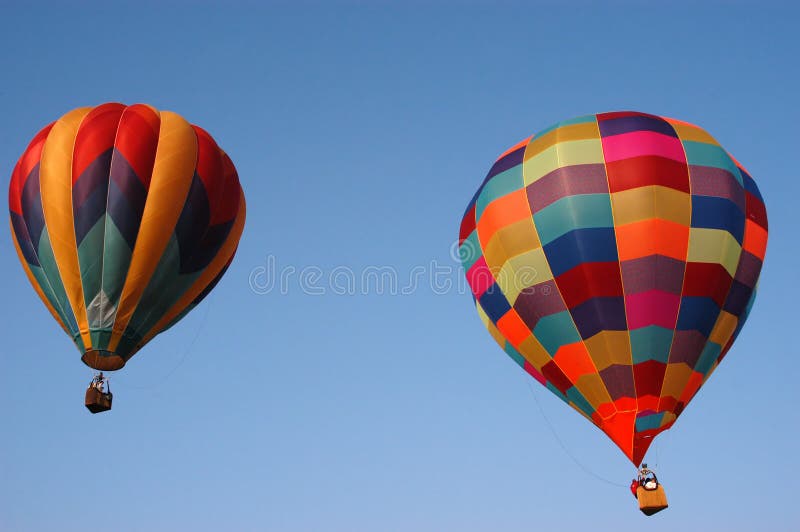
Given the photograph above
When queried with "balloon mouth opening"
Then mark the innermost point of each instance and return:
(103, 360)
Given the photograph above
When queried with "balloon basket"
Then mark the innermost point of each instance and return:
(651, 501)
(97, 401)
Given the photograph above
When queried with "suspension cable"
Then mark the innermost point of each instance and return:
(564, 447)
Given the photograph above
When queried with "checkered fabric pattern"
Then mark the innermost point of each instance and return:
(615, 258)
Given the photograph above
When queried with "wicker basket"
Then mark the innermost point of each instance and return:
(97, 401)
(651, 501)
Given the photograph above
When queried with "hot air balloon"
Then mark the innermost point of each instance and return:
(124, 218)
(615, 258)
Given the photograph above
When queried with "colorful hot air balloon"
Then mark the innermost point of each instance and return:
(124, 218)
(615, 258)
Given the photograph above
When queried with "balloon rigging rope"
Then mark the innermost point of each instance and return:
(656, 467)
(187, 350)
(666, 436)
(564, 447)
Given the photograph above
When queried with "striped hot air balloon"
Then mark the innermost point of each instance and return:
(124, 217)
(615, 258)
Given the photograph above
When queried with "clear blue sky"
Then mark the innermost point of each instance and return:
(360, 133)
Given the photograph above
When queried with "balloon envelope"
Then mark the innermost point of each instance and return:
(124, 218)
(615, 258)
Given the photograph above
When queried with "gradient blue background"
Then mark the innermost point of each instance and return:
(360, 132)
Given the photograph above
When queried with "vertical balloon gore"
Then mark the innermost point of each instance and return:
(122, 216)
